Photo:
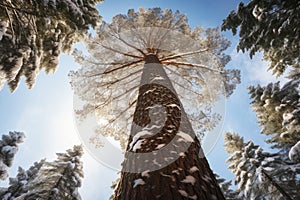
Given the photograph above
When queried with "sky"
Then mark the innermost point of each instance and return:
(45, 112)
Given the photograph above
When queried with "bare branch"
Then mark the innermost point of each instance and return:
(120, 52)
(189, 64)
(130, 45)
(179, 75)
(122, 67)
(183, 54)
(122, 94)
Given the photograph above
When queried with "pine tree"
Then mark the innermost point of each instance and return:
(8, 149)
(34, 33)
(140, 64)
(229, 194)
(278, 112)
(259, 174)
(271, 26)
(59, 179)
(17, 185)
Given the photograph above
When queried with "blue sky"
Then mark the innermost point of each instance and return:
(45, 113)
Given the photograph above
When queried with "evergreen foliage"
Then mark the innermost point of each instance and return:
(34, 33)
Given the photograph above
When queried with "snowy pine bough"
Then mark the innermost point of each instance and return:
(8, 149)
(34, 33)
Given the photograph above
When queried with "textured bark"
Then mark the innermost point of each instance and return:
(182, 171)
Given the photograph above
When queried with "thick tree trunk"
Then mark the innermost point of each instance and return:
(164, 159)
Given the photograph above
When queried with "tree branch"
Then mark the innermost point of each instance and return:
(190, 65)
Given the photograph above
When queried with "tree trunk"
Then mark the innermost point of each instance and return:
(164, 159)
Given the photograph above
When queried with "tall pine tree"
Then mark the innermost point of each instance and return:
(145, 69)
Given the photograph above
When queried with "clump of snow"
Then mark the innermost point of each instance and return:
(160, 146)
(185, 137)
(182, 154)
(294, 153)
(174, 105)
(146, 173)
(189, 179)
(138, 145)
(183, 193)
(137, 137)
(138, 182)
(193, 169)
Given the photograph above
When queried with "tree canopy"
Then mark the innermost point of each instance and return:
(34, 33)
(109, 78)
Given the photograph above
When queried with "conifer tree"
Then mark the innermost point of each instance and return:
(270, 26)
(34, 33)
(259, 174)
(59, 179)
(278, 112)
(8, 149)
(18, 185)
(144, 69)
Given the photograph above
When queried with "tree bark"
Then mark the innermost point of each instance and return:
(167, 162)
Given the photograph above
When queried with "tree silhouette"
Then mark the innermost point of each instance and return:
(139, 66)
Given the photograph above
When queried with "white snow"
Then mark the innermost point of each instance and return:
(189, 179)
(193, 169)
(148, 91)
(157, 78)
(138, 182)
(193, 197)
(182, 154)
(183, 193)
(146, 173)
(160, 146)
(174, 105)
(294, 153)
(156, 163)
(185, 136)
(151, 127)
(138, 145)
(137, 137)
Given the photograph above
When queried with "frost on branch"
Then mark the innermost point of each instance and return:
(8, 149)
(294, 153)
(109, 78)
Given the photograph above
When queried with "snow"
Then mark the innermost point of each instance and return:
(193, 169)
(151, 127)
(138, 145)
(157, 78)
(183, 193)
(9, 149)
(138, 182)
(55, 191)
(182, 154)
(146, 173)
(189, 179)
(185, 136)
(148, 91)
(174, 105)
(193, 197)
(137, 137)
(294, 153)
(160, 146)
